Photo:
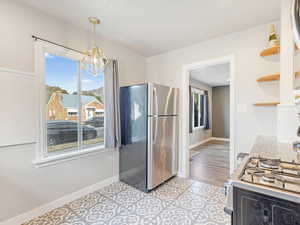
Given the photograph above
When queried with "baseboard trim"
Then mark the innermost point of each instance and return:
(17, 220)
(219, 139)
(209, 139)
(179, 174)
(199, 143)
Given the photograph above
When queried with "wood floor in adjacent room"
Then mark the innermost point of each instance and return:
(210, 162)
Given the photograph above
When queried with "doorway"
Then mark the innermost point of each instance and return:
(207, 147)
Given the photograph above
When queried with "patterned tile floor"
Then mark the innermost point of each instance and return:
(178, 202)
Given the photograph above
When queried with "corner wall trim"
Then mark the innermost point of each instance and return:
(199, 143)
(219, 139)
(17, 220)
(207, 140)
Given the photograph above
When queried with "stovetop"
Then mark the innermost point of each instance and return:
(273, 173)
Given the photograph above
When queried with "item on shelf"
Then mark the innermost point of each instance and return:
(273, 39)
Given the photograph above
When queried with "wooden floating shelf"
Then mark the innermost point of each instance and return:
(270, 51)
(273, 77)
(273, 51)
(267, 104)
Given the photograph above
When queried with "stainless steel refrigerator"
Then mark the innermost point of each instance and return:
(149, 135)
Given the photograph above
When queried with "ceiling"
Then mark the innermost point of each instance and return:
(214, 76)
(155, 26)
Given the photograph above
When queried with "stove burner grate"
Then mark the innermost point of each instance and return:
(273, 173)
(269, 164)
(269, 177)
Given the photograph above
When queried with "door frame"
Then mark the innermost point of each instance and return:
(184, 157)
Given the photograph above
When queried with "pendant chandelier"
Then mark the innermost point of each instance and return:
(94, 60)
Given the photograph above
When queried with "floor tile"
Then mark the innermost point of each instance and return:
(86, 202)
(213, 208)
(202, 184)
(180, 183)
(217, 198)
(113, 189)
(176, 216)
(148, 206)
(126, 220)
(133, 219)
(220, 195)
(216, 214)
(59, 216)
(129, 196)
(210, 193)
(167, 192)
(209, 223)
(190, 201)
(102, 212)
(203, 217)
(203, 191)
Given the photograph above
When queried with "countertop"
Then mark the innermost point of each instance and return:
(266, 147)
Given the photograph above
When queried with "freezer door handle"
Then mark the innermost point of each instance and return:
(156, 114)
(155, 98)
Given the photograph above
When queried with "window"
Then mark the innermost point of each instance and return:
(70, 101)
(198, 108)
(72, 113)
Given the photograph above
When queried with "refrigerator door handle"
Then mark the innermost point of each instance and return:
(155, 130)
(156, 114)
(150, 154)
(156, 100)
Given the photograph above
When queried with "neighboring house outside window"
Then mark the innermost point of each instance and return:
(66, 106)
(71, 106)
(198, 109)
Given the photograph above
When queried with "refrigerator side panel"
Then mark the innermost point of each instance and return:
(133, 151)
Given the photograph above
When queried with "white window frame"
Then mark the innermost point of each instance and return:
(200, 92)
(42, 157)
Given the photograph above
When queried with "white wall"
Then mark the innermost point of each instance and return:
(246, 45)
(22, 186)
(201, 134)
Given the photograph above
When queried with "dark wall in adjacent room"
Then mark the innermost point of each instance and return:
(221, 112)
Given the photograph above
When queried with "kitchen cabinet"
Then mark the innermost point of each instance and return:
(251, 208)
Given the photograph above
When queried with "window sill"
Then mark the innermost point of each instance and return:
(51, 160)
(198, 128)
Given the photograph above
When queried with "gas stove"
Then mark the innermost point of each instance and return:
(274, 173)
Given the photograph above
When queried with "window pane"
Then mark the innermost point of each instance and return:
(61, 75)
(92, 111)
(196, 110)
(202, 110)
